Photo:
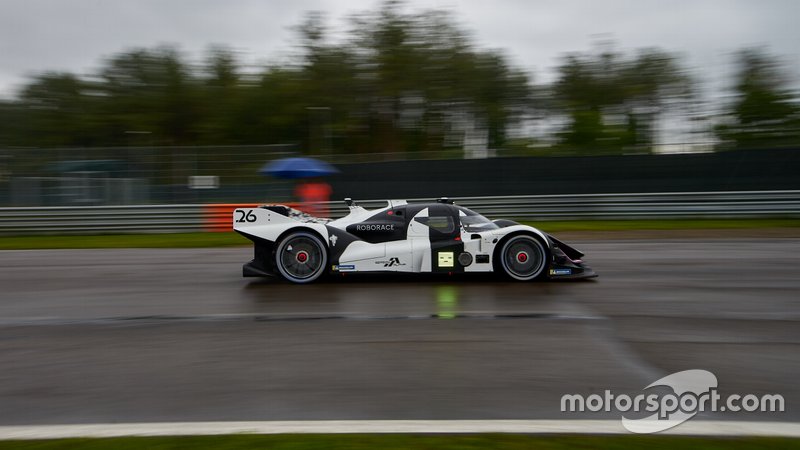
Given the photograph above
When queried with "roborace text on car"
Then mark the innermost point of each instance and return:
(436, 237)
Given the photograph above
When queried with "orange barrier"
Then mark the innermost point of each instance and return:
(218, 218)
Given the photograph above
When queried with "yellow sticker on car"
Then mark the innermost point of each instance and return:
(446, 259)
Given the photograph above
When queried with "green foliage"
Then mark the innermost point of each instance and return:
(613, 102)
(55, 110)
(762, 113)
(399, 82)
(151, 91)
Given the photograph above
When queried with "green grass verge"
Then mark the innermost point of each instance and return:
(197, 240)
(172, 240)
(404, 441)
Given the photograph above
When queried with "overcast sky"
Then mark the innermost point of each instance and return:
(75, 35)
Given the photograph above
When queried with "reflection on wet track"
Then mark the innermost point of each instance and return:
(149, 335)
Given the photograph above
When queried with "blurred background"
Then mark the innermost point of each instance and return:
(136, 127)
(406, 101)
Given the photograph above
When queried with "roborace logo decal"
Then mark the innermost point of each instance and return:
(391, 262)
(375, 227)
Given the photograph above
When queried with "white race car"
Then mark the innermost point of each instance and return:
(436, 237)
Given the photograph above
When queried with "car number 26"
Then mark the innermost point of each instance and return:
(245, 217)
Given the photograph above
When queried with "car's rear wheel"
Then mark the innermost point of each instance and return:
(301, 257)
(523, 257)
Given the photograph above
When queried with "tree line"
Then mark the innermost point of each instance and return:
(397, 82)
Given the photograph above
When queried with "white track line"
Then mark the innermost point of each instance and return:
(707, 428)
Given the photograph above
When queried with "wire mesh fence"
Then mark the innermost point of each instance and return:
(157, 175)
(136, 175)
(142, 175)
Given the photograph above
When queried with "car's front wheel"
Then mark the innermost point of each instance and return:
(301, 257)
(523, 257)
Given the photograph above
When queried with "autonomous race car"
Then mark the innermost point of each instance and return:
(436, 237)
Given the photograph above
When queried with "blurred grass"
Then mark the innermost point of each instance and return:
(171, 240)
(404, 441)
(200, 240)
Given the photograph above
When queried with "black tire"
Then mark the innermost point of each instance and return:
(301, 257)
(523, 257)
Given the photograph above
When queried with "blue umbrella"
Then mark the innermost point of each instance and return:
(297, 168)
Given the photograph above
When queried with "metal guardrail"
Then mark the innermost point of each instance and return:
(101, 219)
(735, 204)
(741, 204)
(189, 218)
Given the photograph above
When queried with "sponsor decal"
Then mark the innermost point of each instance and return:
(560, 271)
(375, 227)
(674, 399)
(333, 238)
(343, 267)
(446, 259)
(392, 262)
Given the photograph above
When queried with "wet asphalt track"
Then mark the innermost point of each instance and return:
(177, 335)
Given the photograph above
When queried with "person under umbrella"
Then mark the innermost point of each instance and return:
(312, 193)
